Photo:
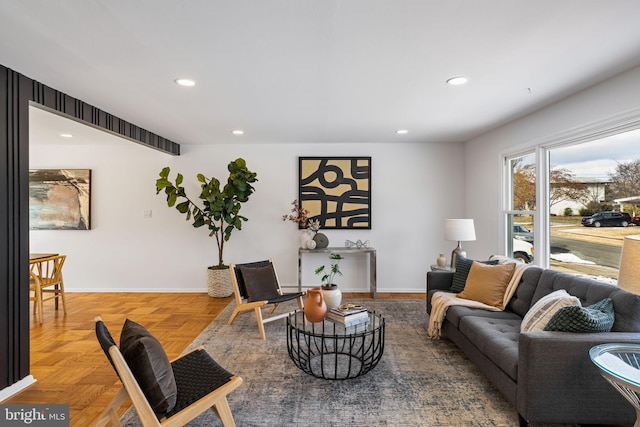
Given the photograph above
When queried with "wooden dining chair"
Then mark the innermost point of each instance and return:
(46, 279)
(35, 287)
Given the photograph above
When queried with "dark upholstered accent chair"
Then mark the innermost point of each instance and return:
(197, 381)
(256, 285)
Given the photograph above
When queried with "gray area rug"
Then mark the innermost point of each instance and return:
(418, 382)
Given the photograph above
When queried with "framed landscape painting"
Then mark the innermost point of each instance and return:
(336, 191)
(60, 199)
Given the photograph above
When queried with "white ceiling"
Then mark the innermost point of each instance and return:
(319, 70)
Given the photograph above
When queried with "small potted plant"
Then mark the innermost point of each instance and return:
(330, 291)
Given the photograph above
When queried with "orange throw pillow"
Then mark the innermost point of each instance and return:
(488, 283)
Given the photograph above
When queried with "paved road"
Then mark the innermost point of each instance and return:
(605, 255)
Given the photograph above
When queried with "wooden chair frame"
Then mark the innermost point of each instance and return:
(45, 276)
(36, 287)
(244, 304)
(216, 400)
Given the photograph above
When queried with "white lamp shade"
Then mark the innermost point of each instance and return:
(460, 230)
(629, 274)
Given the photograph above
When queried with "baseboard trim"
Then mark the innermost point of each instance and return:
(15, 388)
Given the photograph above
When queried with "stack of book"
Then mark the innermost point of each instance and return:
(348, 316)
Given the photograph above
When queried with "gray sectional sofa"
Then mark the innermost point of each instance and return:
(546, 375)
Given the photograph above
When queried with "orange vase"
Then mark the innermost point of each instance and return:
(315, 307)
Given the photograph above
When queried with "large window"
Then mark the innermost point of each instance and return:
(556, 186)
(599, 178)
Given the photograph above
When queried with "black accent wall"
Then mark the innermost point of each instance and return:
(16, 93)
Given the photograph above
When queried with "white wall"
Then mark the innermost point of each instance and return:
(414, 188)
(592, 106)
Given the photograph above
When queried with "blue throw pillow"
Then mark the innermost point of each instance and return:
(598, 317)
(463, 265)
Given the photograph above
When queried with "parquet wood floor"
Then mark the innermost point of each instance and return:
(69, 365)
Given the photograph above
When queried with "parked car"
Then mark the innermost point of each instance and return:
(522, 233)
(607, 219)
(522, 251)
(636, 220)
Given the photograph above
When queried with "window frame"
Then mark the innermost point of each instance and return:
(614, 125)
(507, 199)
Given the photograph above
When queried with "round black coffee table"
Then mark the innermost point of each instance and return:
(330, 351)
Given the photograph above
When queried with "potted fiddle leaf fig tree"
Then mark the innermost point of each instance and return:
(218, 210)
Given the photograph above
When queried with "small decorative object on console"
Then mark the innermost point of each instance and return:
(321, 239)
(358, 245)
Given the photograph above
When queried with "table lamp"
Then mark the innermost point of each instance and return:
(629, 273)
(460, 230)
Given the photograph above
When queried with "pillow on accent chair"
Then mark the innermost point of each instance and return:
(260, 282)
(598, 317)
(488, 283)
(150, 366)
(541, 312)
(463, 265)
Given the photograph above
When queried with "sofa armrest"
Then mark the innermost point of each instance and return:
(437, 281)
(558, 382)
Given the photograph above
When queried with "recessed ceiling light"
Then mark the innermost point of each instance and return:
(185, 82)
(402, 131)
(66, 135)
(457, 81)
(237, 132)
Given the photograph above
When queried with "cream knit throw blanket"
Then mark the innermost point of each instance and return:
(441, 301)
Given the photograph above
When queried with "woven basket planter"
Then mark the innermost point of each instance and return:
(219, 283)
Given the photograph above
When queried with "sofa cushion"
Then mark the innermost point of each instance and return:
(495, 338)
(626, 307)
(456, 312)
(625, 304)
(488, 283)
(463, 265)
(520, 302)
(595, 318)
(542, 311)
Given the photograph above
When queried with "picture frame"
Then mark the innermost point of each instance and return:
(60, 199)
(336, 191)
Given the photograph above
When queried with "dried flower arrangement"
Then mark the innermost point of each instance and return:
(299, 215)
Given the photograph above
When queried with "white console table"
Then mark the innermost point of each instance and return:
(373, 286)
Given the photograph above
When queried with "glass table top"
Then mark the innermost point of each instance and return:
(620, 360)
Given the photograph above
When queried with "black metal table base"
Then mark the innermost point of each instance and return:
(330, 351)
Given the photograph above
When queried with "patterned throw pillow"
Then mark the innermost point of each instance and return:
(543, 310)
(598, 317)
(463, 265)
